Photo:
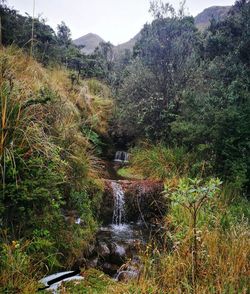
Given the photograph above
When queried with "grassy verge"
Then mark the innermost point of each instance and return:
(128, 173)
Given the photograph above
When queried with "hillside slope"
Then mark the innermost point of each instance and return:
(127, 45)
(202, 20)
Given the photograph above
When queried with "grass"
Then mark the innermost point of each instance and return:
(223, 250)
(160, 162)
(20, 274)
(98, 105)
(128, 173)
(223, 259)
(43, 115)
(96, 282)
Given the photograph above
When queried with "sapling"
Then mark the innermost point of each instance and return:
(192, 194)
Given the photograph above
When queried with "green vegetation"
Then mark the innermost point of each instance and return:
(180, 103)
(128, 173)
(49, 170)
(161, 163)
(189, 89)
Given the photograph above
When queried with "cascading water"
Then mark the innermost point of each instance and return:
(119, 204)
(121, 156)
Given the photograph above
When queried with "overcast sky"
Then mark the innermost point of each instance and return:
(116, 21)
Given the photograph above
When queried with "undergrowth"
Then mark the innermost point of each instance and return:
(50, 139)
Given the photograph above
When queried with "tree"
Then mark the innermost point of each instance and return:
(166, 49)
(63, 35)
(104, 55)
(214, 117)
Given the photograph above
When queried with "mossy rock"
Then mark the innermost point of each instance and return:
(94, 281)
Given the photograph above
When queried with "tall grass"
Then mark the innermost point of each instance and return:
(223, 266)
(42, 117)
(160, 162)
(224, 252)
(18, 271)
(99, 105)
(40, 111)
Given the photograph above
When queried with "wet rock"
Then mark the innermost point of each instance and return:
(103, 250)
(130, 270)
(125, 276)
(117, 254)
(143, 200)
(109, 269)
(91, 250)
(106, 213)
(92, 263)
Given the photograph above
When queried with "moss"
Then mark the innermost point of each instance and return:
(128, 173)
(94, 282)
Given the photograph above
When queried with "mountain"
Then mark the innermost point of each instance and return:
(202, 20)
(127, 45)
(89, 41)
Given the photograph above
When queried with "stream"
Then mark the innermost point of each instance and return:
(121, 237)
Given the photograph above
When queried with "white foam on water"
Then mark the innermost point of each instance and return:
(119, 204)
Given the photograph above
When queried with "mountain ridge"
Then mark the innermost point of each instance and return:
(202, 20)
(90, 41)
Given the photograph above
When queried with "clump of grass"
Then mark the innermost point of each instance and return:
(160, 162)
(18, 272)
(97, 106)
(97, 282)
(223, 268)
(97, 88)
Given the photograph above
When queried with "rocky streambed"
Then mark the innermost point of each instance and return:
(117, 248)
(130, 210)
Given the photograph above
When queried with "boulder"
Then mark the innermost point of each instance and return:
(109, 268)
(103, 250)
(92, 263)
(125, 276)
(117, 254)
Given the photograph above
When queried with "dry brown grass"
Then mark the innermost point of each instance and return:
(63, 118)
(223, 259)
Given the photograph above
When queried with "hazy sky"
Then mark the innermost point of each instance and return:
(116, 21)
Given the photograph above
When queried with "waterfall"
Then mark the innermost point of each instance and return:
(121, 156)
(119, 203)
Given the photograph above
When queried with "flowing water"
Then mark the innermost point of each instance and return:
(118, 241)
(121, 156)
(119, 204)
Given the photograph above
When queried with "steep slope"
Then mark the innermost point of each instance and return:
(202, 20)
(89, 41)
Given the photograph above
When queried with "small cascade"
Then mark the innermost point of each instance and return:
(121, 156)
(119, 203)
